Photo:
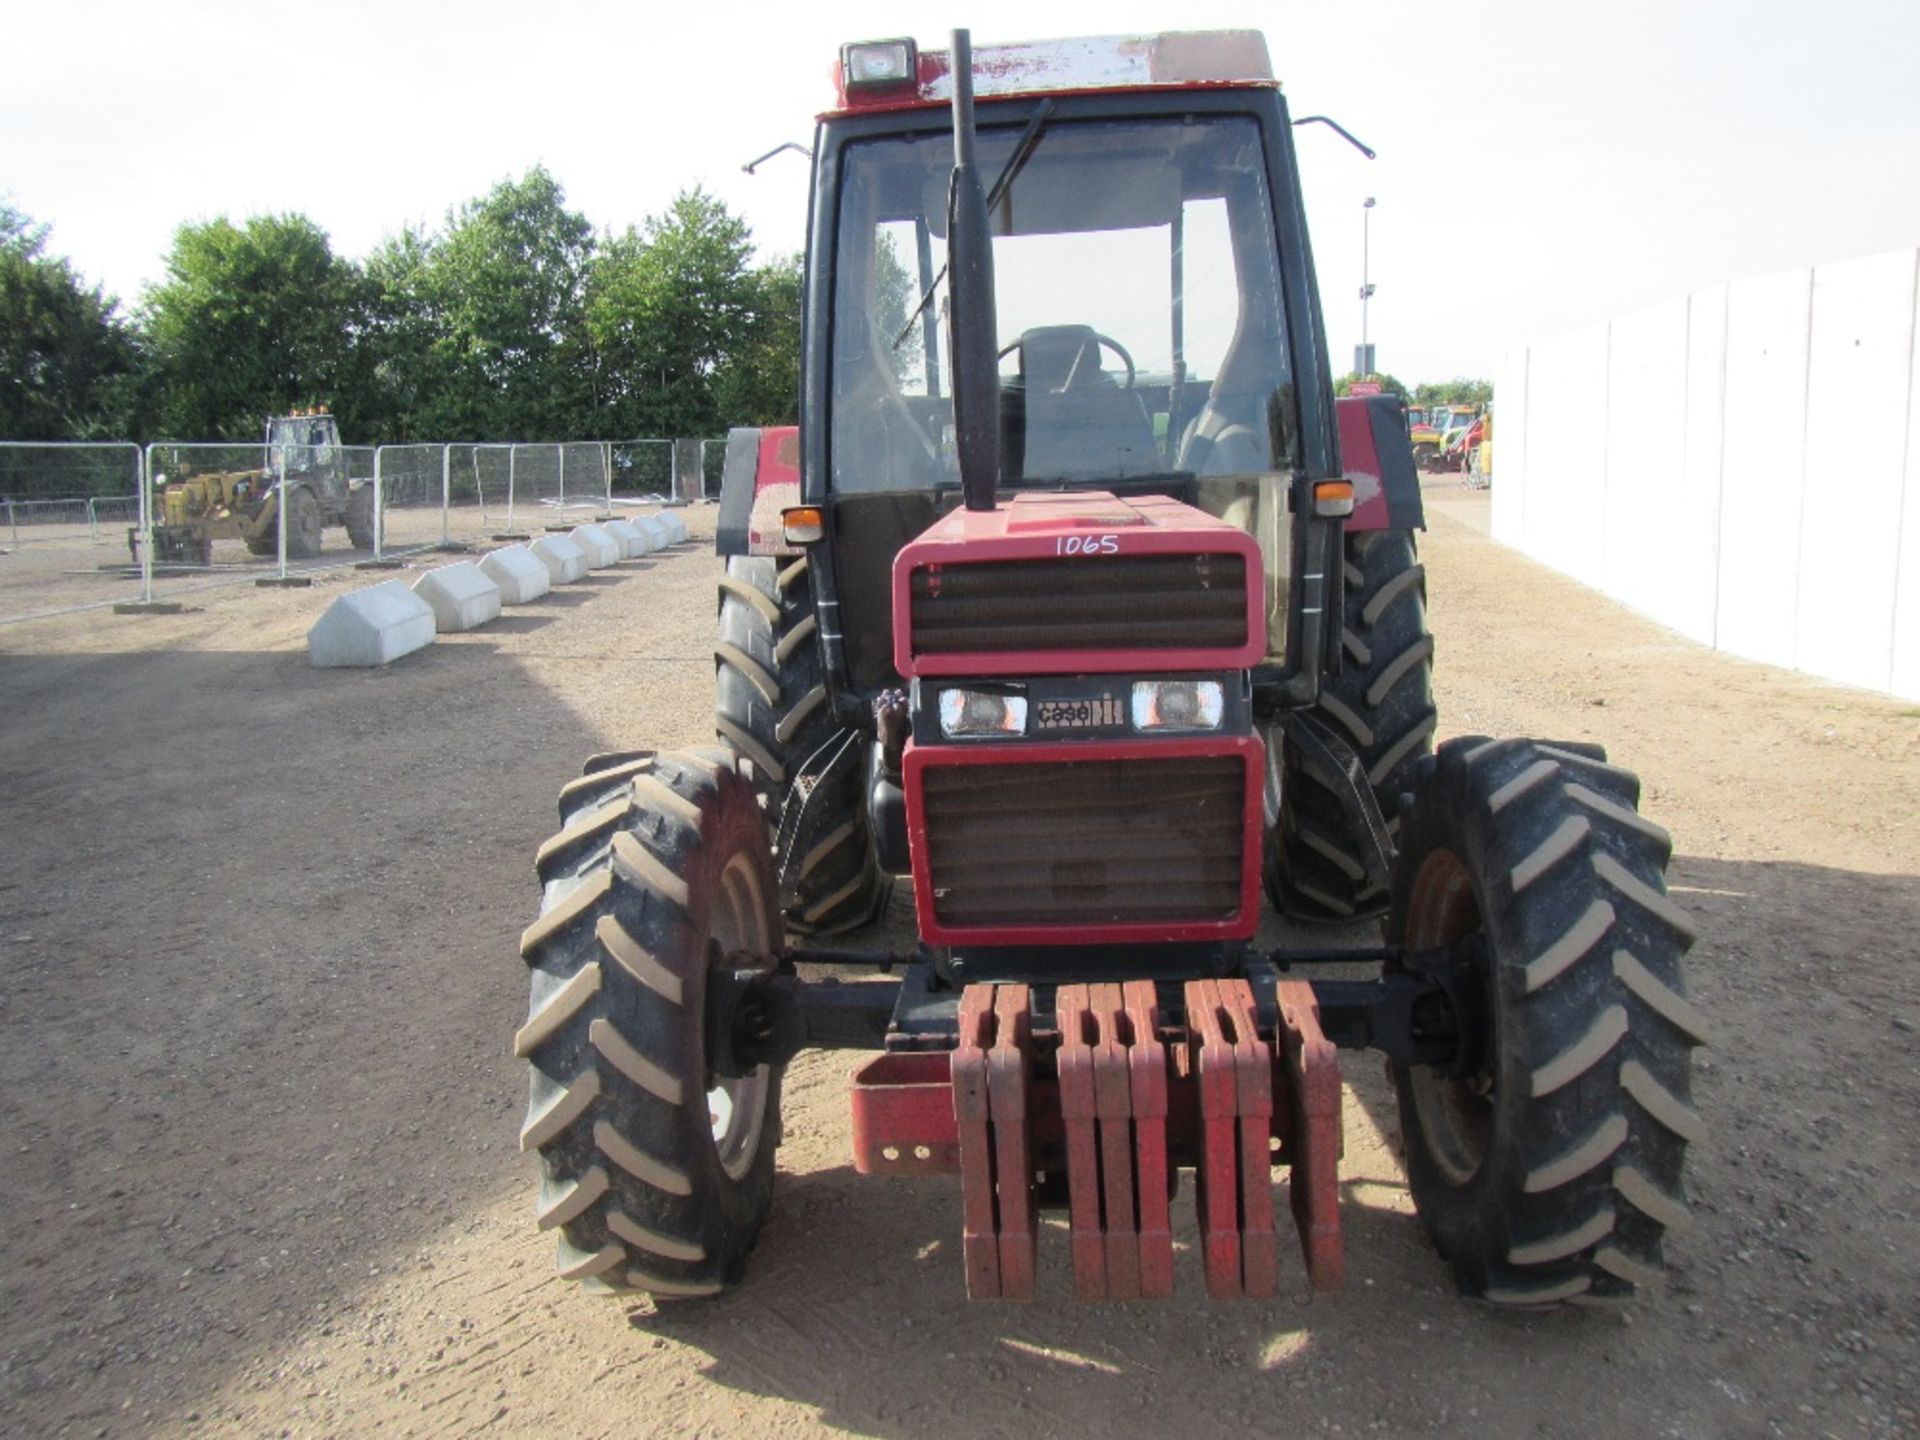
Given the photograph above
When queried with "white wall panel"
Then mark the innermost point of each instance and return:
(1906, 605)
(1762, 468)
(1566, 437)
(1642, 547)
(1696, 508)
(1858, 380)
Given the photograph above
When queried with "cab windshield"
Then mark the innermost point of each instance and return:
(1139, 317)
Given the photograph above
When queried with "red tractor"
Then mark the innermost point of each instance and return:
(1075, 598)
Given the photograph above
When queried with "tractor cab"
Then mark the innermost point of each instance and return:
(1144, 280)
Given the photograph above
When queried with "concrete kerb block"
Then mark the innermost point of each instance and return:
(676, 527)
(374, 626)
(632, 543)
(656, 533)
(602, 549)
(462, 596)
(563, 557)
(521, 575)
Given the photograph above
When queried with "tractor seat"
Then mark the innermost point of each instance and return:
(1236, 431)
(1066, 417)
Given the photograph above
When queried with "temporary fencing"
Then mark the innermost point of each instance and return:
(713, 464)
(85, 525)
(658, 470)
(211, 513)
(50, 492)
(544, 486)
(65, 512)
(641, 469)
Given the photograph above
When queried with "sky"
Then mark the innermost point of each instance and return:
(1542, 166)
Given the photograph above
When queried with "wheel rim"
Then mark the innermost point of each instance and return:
(1456, 1115)
(737, 1105)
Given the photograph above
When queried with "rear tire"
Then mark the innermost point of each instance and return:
(1553, 1171)
(770, 704)
(1381, 704)
(359, 517)
(656, 1174)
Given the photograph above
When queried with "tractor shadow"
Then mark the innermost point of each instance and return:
(855, 1305)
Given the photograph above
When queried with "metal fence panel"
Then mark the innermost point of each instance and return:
(713, 465)
(415, 509)
(65, 512)
(212, 535)
(586, 477)
(641, 469)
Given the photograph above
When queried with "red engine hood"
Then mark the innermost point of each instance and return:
(1077, 529)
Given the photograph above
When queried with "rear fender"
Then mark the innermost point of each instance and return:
(761, 478)
(1377, 457)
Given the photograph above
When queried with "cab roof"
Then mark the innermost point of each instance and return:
(1172, 60)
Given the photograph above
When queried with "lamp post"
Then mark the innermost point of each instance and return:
(1363, 357)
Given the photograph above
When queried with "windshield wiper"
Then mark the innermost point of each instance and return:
(1022, 152)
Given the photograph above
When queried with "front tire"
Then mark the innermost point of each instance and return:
(1381, 704)
(303, 526)
(770, 704)
(1552, 1169)
(656, 1173)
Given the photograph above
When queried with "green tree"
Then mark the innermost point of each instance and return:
(1344, 385)
(401, 367)
(667, 307)
(67, 362)
(1454, 392)
(250, 321)
(502, 295)
(759, 382)
(19, 233)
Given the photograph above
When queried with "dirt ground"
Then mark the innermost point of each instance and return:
(258, 977)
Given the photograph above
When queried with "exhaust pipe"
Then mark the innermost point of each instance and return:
(971, 332)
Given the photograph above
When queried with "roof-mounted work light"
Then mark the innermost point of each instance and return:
(879, 65)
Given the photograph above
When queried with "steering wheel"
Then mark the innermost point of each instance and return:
(1104, 341)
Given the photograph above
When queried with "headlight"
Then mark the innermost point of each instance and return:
(980, 712)
(1178, 704)
(877, 63)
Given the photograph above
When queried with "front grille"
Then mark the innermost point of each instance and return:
(1099, 842)
(1108, 602)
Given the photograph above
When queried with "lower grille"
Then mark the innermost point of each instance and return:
(1099, 842)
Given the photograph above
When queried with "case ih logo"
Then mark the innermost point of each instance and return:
(1100, 710)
